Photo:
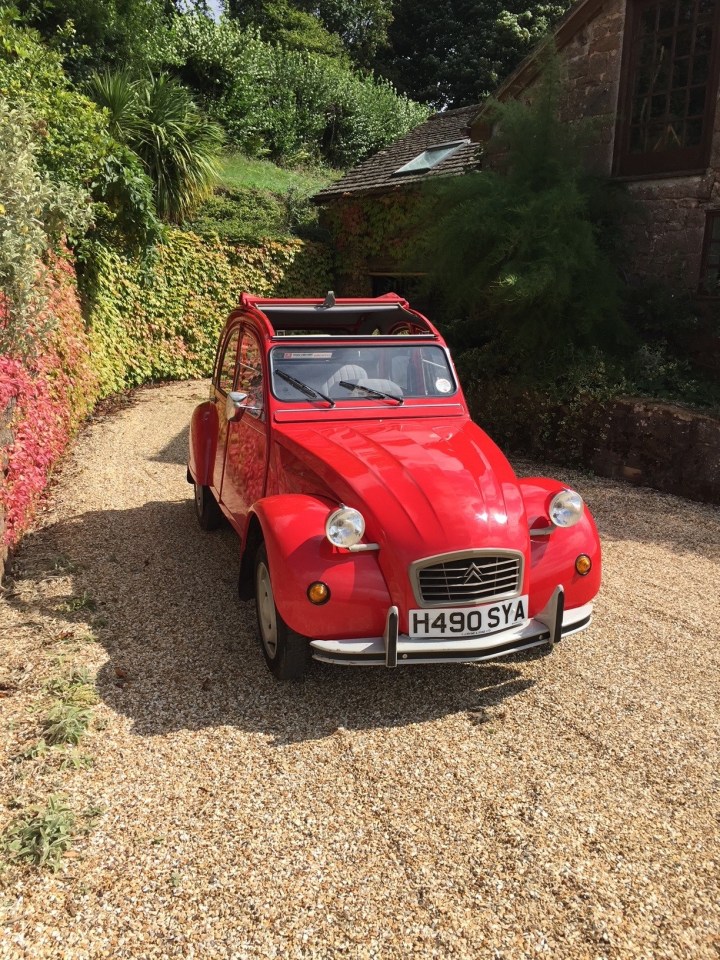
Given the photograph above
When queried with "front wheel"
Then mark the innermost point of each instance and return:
(206, 508)
(286, 652)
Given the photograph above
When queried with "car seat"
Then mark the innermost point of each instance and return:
(350, 372)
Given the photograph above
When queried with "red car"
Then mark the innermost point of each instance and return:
(378, 524)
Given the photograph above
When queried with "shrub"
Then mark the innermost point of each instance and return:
(522, 248)
(72, 133)
(296, 106)
(178, 145)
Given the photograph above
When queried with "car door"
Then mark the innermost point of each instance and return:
(222, 385)
(246, 450)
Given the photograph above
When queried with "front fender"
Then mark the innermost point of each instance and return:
(202, 443)
(293, 528)
(552, 556)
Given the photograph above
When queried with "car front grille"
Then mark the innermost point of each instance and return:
(468, 578)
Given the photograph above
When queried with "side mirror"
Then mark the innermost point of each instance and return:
(235, 405)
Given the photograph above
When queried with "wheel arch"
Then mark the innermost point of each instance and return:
(254, 536)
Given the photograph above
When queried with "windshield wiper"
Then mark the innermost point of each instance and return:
(371, 392)
(304, 387)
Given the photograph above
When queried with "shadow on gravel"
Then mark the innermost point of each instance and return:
(160, 596)
(176, 451)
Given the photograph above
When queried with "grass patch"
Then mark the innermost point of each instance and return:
(41, 835)
(238, 172)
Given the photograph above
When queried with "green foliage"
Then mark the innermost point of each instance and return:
(125, 206)
(34, 212)
(41, 835)
(362, 25)
(72, 133)
(237, 216)
(284, 23)
(77, 689)
(456, 52)
(91, 34)
(295, 106)
(517, 249)
(176, 143)
(164, 325)
(332, 27)
(66, 723)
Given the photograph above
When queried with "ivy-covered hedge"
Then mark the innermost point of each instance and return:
(161, 322)
(145, 321)
(44, 396)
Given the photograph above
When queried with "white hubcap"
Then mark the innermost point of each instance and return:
(267, 617)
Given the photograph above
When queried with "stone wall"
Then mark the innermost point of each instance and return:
(658, 445)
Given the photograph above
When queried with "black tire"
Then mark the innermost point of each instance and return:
(206, 508)
(286, 652)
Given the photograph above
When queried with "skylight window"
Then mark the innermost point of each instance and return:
(431, 157)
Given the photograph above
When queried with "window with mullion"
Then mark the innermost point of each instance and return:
(669, 88)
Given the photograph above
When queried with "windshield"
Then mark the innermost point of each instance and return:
(374, 374)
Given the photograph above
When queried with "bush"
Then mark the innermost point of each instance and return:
(71, 130)
(522, 249)
(293, 105)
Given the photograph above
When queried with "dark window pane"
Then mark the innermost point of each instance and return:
(637, 141)
(693, 133)
(658, 107)
(703, 40)
(706, 8)
(668, 10)
(681, 68)
(716, 228)
(700, 68)
(677, 104)
(682, 43)
(696, 103)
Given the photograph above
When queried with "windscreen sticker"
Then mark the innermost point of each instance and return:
(306, 356)
(442, 385)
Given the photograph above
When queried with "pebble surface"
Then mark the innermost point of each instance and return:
(563, 806)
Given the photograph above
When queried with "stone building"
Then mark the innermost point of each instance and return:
(647, 72)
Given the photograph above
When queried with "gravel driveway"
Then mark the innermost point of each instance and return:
(563, 806)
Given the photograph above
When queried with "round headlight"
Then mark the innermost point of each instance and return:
(345, 527)
(566, 508)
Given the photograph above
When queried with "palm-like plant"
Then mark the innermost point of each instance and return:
(177, 144)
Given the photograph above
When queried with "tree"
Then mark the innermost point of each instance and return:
(95, 33)
(286, 23)
(362, 25)
(452, 53)
(178, 146)
(525, 251)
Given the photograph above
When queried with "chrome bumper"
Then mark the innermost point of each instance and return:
(394, 649)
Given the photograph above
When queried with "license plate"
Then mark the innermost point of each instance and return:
(451, 622)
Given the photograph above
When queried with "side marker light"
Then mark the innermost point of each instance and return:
(318, 592)
(583, 564)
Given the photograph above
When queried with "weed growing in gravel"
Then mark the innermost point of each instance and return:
(83, 602)
(77, 689)
(66, 723)
(41, 835)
